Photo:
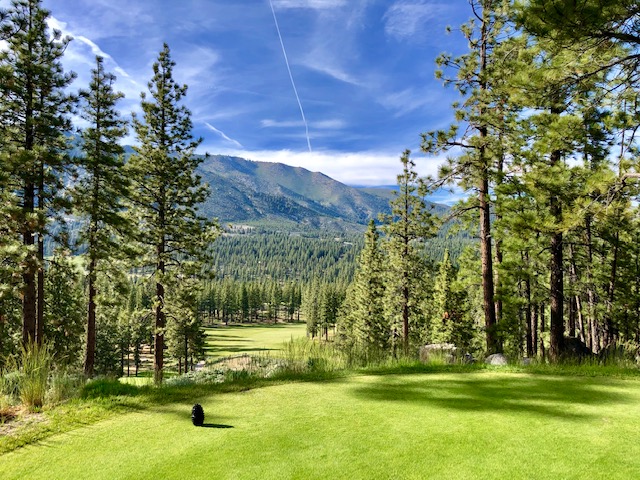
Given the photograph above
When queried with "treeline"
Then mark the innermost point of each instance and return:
(545, 145)
(140, 215)
(291, 257)
(257, 301)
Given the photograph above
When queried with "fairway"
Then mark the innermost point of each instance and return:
(443, 425)
(252, 339)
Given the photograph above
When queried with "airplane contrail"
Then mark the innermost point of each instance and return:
(293, 84)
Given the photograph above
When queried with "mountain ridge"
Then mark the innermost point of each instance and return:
(269, 193)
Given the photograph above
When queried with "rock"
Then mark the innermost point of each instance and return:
(437, 351)
(575, 348)
(496, 359)
(526, 361)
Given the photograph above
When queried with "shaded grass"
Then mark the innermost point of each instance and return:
(419, 423)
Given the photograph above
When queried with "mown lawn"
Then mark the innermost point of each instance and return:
(483, 424)
(251, 339)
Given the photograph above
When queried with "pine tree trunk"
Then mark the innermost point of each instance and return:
(40, 295)
(29, 275)
(543, 350)
(594, 343)
(573, 272)
(186, 349)
(534, 329)
(556, 280)
(610, 332)
(486, 259)
(90, 351)
(159, 334)
(493, 345)
(528, 318)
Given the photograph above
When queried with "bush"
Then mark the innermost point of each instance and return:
(107, 387)
(10, 384)
(36, 364)
(7, 411)
(63, 385)
(302, 355)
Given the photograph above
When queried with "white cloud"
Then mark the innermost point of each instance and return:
(408, 100)
(80, 58)
(312, 4)
(320, 62)
(332, 124)
(406, 19)
(194, 67)
(268, 123)
(223, 135)
(352, 168)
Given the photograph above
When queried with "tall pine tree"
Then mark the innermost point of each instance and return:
(100, 194)
(408, 225)
(34, 111)
(167, 190)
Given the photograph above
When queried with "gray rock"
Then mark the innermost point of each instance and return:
(437, 350)
(496, 359)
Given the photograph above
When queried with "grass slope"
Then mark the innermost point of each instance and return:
(485, 424)
(260, 339)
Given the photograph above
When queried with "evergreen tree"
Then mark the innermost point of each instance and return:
(186, 338)
(480, 78)
(363, 323)
(33, 119)
(64, 324)
(311, 305)
(408, 225)
(166, 189)
(100, 193)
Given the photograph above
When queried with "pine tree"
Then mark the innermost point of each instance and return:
(166, 189)
(64, 324)
(409, 224)
(33, 118)
(100, 193)
(480, 78)
(363, 323)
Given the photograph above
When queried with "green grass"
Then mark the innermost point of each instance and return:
(449, 423)
(251, 339)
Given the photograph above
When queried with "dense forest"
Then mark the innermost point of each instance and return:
(541, 260)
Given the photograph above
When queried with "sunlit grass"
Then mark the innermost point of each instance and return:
(251, 339)
(476, 424)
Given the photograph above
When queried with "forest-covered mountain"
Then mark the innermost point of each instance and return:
(278, 195)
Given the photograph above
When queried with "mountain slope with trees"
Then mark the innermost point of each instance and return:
(274, 194)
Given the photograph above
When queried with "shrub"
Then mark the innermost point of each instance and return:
(35, 365)
(7, 411)
(63, 385)
(107, 387)
(10, 384)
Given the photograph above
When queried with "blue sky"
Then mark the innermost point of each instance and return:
(363, 71)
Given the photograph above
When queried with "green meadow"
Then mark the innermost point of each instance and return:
(250, 339)
(431, 423)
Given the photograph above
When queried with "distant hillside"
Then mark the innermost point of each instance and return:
(281, 196)
(274, 194)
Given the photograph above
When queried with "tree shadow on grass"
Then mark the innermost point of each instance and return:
(544, 396)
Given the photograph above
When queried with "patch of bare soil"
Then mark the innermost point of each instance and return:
(243, 362)
(17, 418)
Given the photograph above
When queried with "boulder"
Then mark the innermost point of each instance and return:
(575, 348)
(496, 359)
(437, 351)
